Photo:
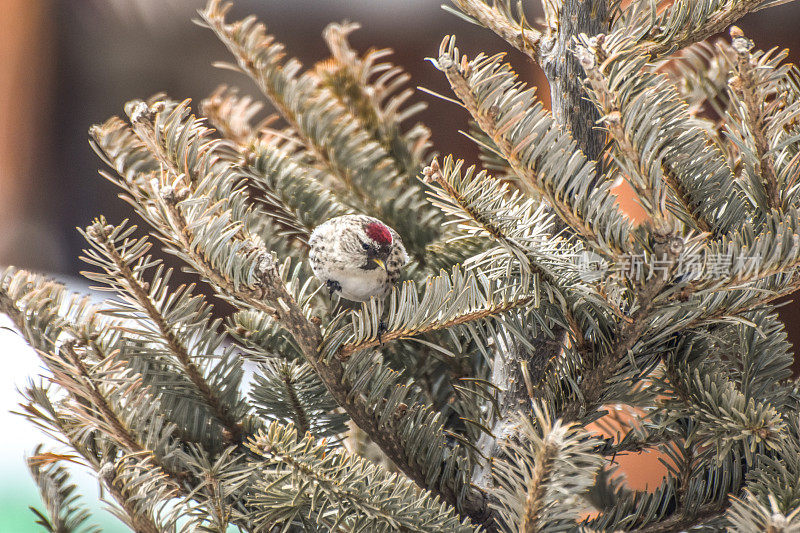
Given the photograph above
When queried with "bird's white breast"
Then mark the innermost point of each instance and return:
(357, 284)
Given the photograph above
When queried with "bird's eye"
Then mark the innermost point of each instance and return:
(365, 246)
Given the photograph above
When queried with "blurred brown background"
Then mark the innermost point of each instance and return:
(72, 63)
(65, 65)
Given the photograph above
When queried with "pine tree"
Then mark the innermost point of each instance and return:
(532, 307)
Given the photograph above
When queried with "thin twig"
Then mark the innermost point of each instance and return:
(349, 349)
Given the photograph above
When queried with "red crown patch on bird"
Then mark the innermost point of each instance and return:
(379, 233)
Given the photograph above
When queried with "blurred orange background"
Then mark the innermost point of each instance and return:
(65, 65)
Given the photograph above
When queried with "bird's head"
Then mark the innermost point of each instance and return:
(377, 246)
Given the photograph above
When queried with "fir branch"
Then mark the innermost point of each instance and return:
(545, 467)
(644, 176)
(702, 477)
(498, 17)
(598, 368)
(296, 202)
(740, 301)
(252, 280)
(262, 338)
(84, 386)
(187, 238)
(729, 409)
(187, 149)
(110, 419)
(537, 486)
(746, 86)
(114, 420)
(279, 180)
(659, 145)
(184, 141)
(204, 224)
(138, 521)
(750, 514)
(683, 22)
(152, 123)
(168, 133)
(265, 66)
(763, 108)
(353, 164)
(370, 498)
(369, 89)
(450, 300)
(543, 156)
(486, 206)
(349, 349)
(489, 207)
(184, 147)
(119, 148)
(94, 448)
(291, 392)
(762, 357)
(771, 482)
(599, 363)
(725, 416)
(332, 373)
(89, 383)
(223, 478)
(758, 251)
(120, 256)
(64, 514)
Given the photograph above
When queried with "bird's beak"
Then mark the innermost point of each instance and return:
(380, 263)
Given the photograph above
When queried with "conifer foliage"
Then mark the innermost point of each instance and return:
(532, 306)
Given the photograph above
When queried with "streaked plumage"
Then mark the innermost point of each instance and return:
(357, 256)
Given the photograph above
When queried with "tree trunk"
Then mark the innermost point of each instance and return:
(570, 107)
(572, 110)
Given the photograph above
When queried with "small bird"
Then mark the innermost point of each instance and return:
(356, 256)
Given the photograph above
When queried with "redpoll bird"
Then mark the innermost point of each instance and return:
(356, 256)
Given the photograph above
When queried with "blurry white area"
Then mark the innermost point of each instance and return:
(21, 365)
